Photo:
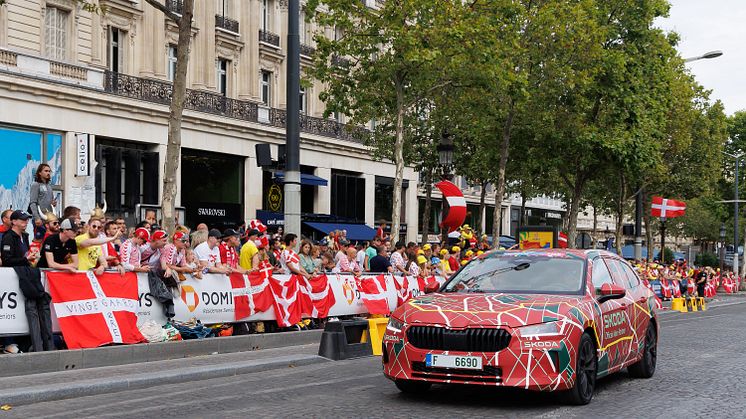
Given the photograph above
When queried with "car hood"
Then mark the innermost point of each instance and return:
(460, 310)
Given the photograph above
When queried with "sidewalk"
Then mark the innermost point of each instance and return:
(35, 388)
(66, 360)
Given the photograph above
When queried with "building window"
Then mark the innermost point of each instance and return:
(384, 198)
(171, 62)
(303, 101)
(266, 88)
(55, 33)
(348, 196)
(222, 72)
(115, 53)
(266, 8)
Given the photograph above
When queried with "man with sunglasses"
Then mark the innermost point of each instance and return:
(59, 251)
(52, 225)
(90, 254)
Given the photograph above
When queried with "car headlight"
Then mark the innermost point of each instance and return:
(395, 325)
(543, 329)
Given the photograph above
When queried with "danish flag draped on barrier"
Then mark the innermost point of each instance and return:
(292, 300)
(95, 310)
(322, 296)
(456, 205)
(667, 208)
(373, 293)
(251, 294)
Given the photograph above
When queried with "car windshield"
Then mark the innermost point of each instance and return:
(522, 273)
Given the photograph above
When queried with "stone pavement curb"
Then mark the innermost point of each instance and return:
(67, 390)
(75, 359)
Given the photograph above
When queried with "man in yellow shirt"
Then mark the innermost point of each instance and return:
(89, 244)
(248, 250)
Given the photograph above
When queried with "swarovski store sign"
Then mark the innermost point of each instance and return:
(218, 215)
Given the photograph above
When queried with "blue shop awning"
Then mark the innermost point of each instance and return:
(354, 231)
(305, 179)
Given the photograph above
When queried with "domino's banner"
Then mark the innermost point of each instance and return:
(215, 298)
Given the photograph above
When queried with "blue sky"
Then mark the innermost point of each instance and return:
(706, 25)
(16, 146)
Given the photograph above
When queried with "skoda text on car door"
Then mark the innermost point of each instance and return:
(542, 320)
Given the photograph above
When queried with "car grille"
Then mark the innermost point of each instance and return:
(487, 374)
(466, 340)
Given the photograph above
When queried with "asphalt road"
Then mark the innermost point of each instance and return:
(702, 361)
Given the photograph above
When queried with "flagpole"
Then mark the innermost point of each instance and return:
(663, 240)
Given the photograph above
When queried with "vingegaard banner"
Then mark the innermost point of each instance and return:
(214, 298)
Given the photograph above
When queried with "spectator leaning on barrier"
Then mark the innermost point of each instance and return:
(42, 197)
(15, 253)
(109, 250)
(249, 250)
(150, 253)
(306, 259)
(228, 253)
(260, 260)
(90, 253)
(51, 225)
(129, 252)
(274, 253)
(371, 251)
(208, 254)
(60, 251)
(327, 262)
(289, 260)
(173, 260)
(348, 264)
(380, 262)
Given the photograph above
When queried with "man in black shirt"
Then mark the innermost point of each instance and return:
(380, 262)
(59, 251)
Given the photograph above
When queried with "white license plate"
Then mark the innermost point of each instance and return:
(454, 361)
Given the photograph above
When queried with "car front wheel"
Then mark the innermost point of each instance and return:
(645, 367)
(585, 373)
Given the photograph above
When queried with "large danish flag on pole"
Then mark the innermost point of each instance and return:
(456, 206)
(667, 208)
(95, 310)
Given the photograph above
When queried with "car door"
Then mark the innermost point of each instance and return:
(640, 308)
(610, 325)
(623, 331)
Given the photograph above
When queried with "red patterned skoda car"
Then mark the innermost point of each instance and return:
(543, 320)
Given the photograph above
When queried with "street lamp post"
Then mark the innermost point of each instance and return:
(735, 211)
(445, 154)
(722, 247)
(292, 130)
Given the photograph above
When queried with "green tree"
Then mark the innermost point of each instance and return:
(399, 57)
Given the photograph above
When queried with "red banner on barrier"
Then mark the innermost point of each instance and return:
(95, 310)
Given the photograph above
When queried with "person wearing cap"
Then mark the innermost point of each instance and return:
(208, 254)
(129, 251)
(249, 250)
(15, 244)
(260, 260)
(150, 252)
(228, 254)
(445, 265)
(90, 253)
(453, 261)
(59, 251)
(173, 259)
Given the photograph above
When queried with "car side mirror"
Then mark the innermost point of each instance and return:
(610, 292)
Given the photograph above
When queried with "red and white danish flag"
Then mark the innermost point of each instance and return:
(251, 294)
(373, 293)
(95, 310)
(403, 292)
(456, 205)
(290, 301)
(321, 294)
(667, 208)
(562, 240)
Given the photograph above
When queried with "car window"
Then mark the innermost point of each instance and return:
(620, 278)
(632, 277)
(601, 274)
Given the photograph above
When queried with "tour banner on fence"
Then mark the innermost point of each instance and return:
(111, 302)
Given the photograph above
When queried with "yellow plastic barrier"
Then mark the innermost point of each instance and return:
(376, 330)
(702, 304)
(693, 303)
(679, 304)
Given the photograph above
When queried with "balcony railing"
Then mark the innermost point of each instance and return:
(158, 91)
(307, 50)
(176, 6)
(226, 23)
(269, 37)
